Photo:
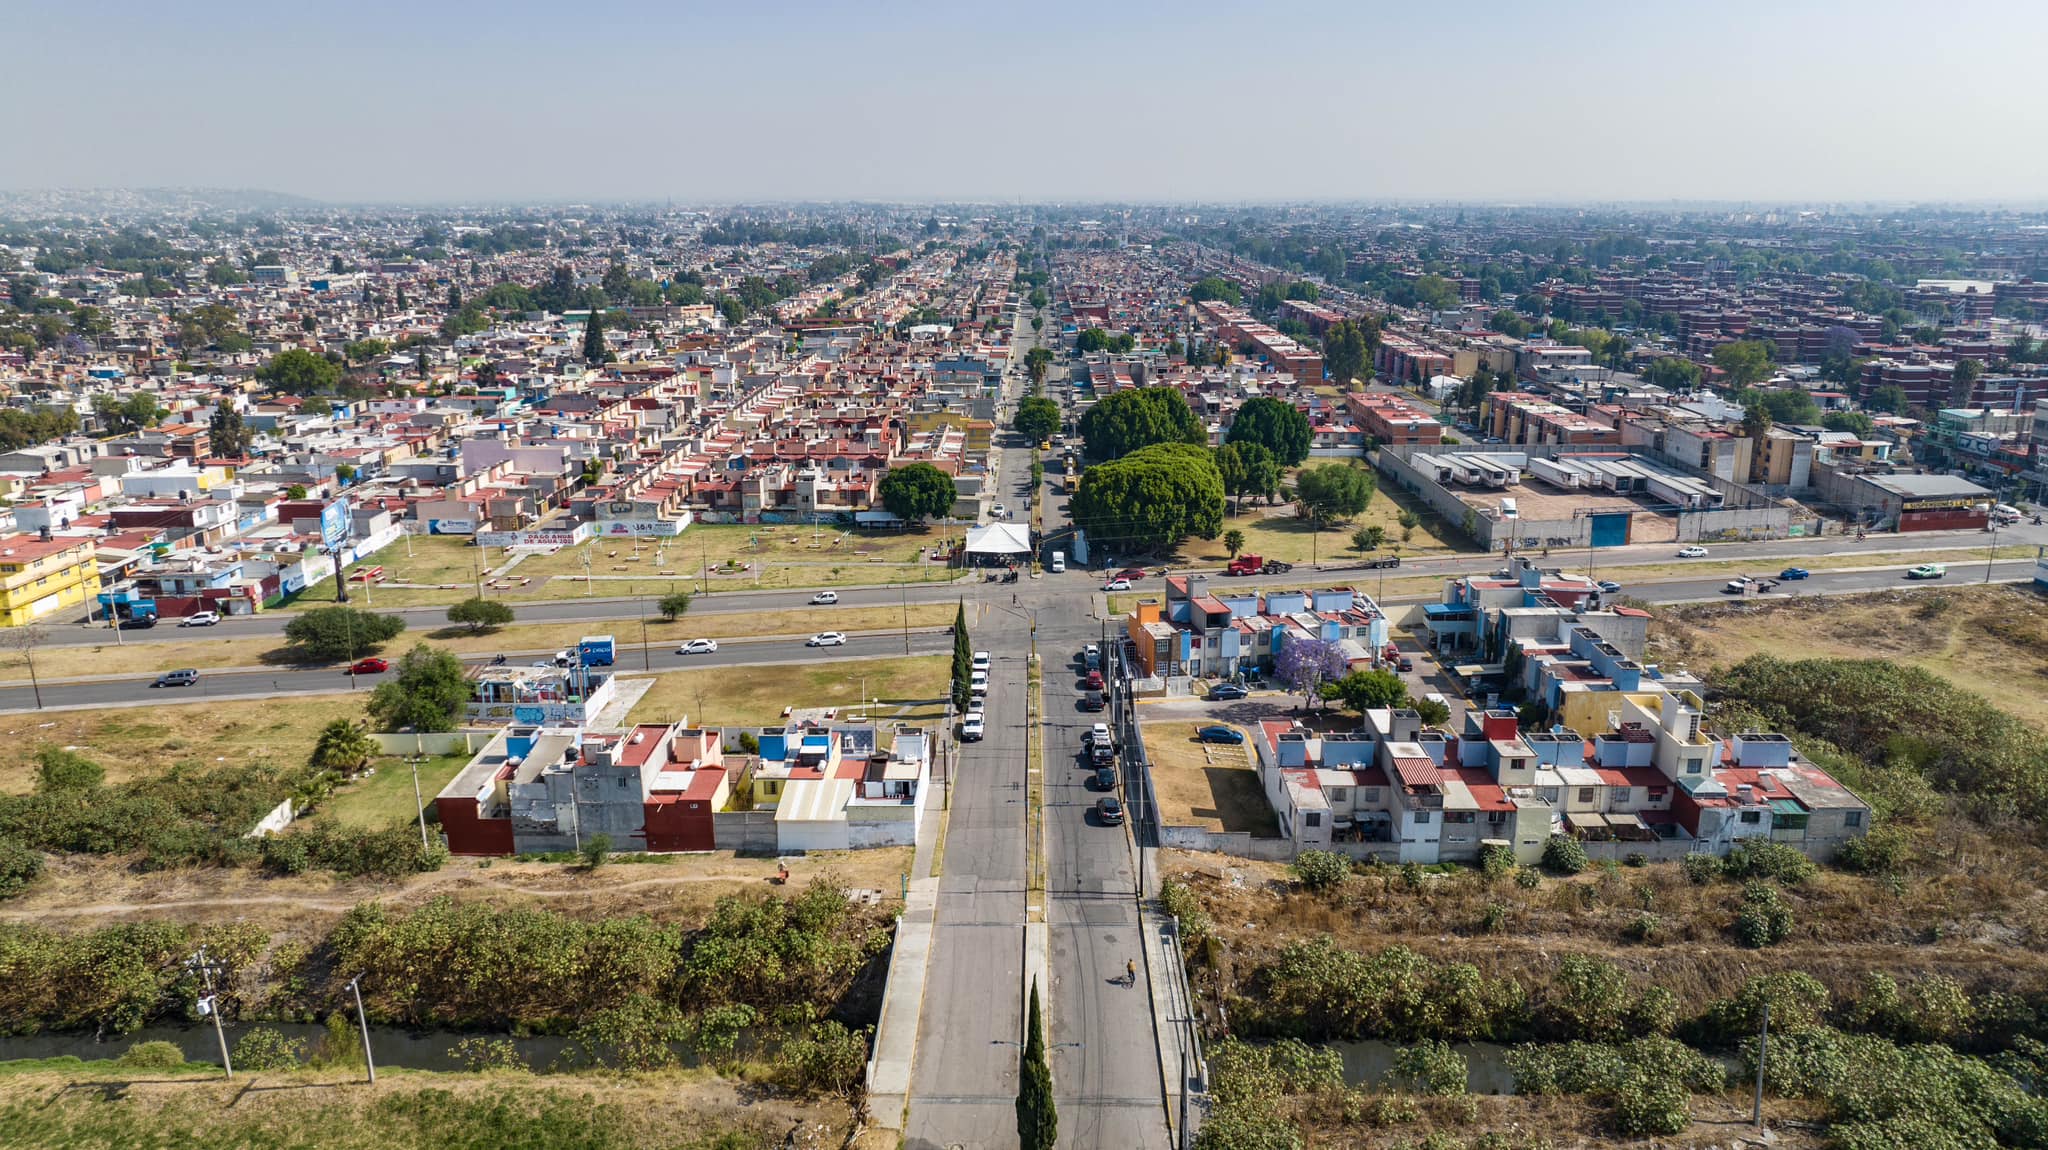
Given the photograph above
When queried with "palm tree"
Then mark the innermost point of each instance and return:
(1233, 541)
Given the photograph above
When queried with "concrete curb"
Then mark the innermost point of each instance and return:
(889, 1071)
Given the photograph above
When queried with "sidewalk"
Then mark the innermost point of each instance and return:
(902, 1003)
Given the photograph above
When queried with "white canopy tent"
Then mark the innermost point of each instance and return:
(998, 541)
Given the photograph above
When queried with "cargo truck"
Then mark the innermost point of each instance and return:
(596, 650)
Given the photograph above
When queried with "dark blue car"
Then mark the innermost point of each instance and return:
(1224, 691)
(1220, 734)
(1794, 573)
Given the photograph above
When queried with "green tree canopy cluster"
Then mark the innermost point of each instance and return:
(1334, 492)
(1037, 418)
(297, 371)
(1124, 421)
(329, 634)
(918, 491)
(1151, 498)
(1276, 425)
(427, 691)
(1096, 339)
(1216, 288)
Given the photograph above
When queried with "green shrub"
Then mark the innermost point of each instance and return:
(1564, 854)
(481, 1055)
(1885, 850)
(152, 1056)
(1179, 901)
(1527, 879)
(1764, 919)
(1494, 919)
(1321, 870)
(1643, 1104)
(1496, 861)
(828, 1058)
(19, 866)
(1759, 858)
(1798, 1004)
(265, 1048)
(1644, 927)
(1701, 868)
(1432, 1068)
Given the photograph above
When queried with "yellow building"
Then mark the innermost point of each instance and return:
(39, 577)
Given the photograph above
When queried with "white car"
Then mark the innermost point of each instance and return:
(824, 597)
(977, 683)
(971, 727)
(698, 647)
(981, 661)
(202, 619)
(1098, 735)
(999, 511)
(1692, 553)
(826, 639)
(1117, 585)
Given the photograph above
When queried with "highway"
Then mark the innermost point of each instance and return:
(1769, 557)
(269, 682)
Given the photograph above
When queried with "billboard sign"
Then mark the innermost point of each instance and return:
(334, 524)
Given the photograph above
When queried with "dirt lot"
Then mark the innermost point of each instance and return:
(911, 689)
(132, 741)
(1988, 639)
(1208, 785)
(84, 891)
(737, 556)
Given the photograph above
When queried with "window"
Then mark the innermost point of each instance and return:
(1751, 817)
(1853, 819)
(1585, 794)
(1457, 816)
(1339, 794)
(1421, 817)
(1692, 766)
(1369, 794)
(1312, 819)
(1657, 794)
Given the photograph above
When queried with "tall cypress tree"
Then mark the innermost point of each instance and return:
(963, 658)
(593, 339)
(1038, 1121)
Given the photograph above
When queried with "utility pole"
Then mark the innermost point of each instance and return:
(363, 1019)
(1763, 1041)
(419, 804)
(204, 964)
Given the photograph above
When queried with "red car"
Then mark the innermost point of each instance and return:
(1092, 680)
(370, 666)
(1130, 573)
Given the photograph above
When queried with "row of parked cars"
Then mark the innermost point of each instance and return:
(974, 724)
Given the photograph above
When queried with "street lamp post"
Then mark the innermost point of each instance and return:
(363, 1019)
(205, 965)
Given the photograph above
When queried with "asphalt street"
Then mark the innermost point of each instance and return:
(1769, 556)
(268, 682)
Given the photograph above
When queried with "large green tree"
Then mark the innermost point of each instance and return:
(1217, 288)
(1036, 419)
(1344, 350)
(1367, 690)
(1247, 469)
(331, 633)
(225, 432)
(1744, 361)
(1963, 382)
(963, 658)
(593, 338)
(1333, 492)
(1275, 425)
(1150, 499)
(427, 692)
(1124, 421)
(1673, 373)
(1037, 362)
(1038, 1120)
(299, 372)
(918, 491)
(479, 614)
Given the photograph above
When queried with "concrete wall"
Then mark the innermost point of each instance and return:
(1663, 850)
(464, 742)
(1238, 844)
(744, 830)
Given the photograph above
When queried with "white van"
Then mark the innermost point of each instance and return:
(1059, 562)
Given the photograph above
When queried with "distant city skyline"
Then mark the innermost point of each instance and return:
(1804, 103)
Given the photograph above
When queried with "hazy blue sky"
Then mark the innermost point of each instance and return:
(1189, 100)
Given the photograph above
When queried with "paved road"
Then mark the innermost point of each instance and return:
(327, 680)
(964, 1080)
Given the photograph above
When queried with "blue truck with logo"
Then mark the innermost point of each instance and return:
(596, 651)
